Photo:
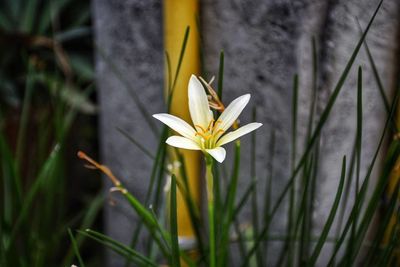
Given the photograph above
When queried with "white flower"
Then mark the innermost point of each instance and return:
(207, 135)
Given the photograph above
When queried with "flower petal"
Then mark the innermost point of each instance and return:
(217, 153)
(182, 142)
(229, 137)
(232, 112)
(176, 124)
(198, 103)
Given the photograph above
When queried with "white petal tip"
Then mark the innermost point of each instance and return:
(218, 153)
(182, 142)
(157, 116)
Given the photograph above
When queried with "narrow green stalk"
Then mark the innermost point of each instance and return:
(254, 202)
(358, 155)
(23, 126)
(75, 247)
(175, 261)
(293, 165)
(210, 200)
(268, 189)
(229, 207)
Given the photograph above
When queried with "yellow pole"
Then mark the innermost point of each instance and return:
(178, 15)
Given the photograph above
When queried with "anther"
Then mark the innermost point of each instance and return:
(210, 125)
(220, 131)
(201, 128)
(203, 135)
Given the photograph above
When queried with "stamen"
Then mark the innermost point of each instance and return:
(100, 167)
(216, 123)
(220, 131)
(201, 128)
(203, 135)
(210, 125)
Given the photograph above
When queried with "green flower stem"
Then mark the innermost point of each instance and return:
(210, 198)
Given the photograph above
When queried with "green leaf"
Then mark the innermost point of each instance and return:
(27, 20)
(91, 212)
(82, 67)
(389, 212)
(229, 206)
(51, 10)
(75, 247)
(129, 88)
(329, 221)
(178, 67)
(316, 133)
(22, 130)
(175, 259)
(119, 248)
(374, 200)
(136, 143)
(69, 94)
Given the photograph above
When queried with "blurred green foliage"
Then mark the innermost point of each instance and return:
(56, 37)
(46, 77)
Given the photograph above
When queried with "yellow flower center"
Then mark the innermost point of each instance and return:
(208, 134)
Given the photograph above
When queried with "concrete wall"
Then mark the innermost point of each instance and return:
(265, 44)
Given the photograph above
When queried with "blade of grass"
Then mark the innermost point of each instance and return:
(27, 20)
(14, 7)
(375, 72)
(268, 189)
(374, 251)
(178, 67)
(146, 216)
(11, 188)
(305, 236)
(160, 150)
(75, 247)
(24, 120)
(93, 209)
(175, 260)
(169, 74)
(375, 196)
(31, 194)
(130, 90)
(136, 143)
(330, 219)
(373, 204)
(243, 200)
(388, 253)
(322, 120)
(301, 212)
(288, 247)
(167, 239)
(194, 211)
(75, 33)
(254, 195)
(358, 153)
(51, 10)
(218, 203)
(314, 89)
(229, 207)
(5, 20)
(121, 249)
